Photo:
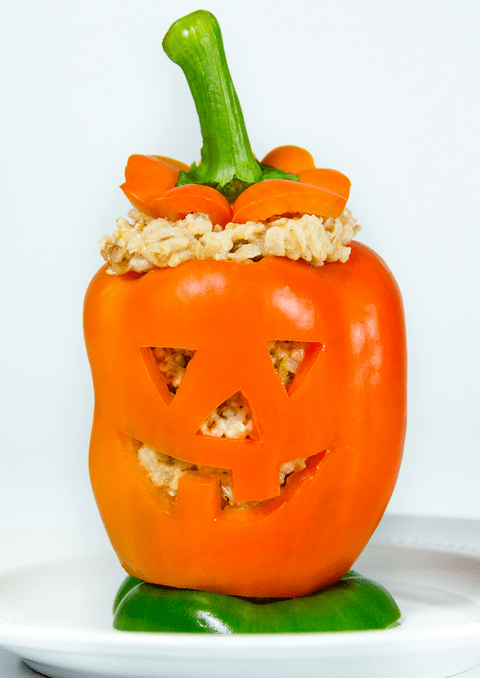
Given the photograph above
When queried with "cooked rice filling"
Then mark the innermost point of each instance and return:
(165, 472)
(231, 419)
(145, 243)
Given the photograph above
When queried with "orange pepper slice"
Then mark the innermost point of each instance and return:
(176, 164)
(278, 197)
(150, 186)
(179, 201)
(331, 179)
(147, 177)
(292, 159)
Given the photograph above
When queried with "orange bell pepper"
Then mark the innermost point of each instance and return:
(345, 412)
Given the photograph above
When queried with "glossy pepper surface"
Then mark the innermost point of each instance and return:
(352, 604)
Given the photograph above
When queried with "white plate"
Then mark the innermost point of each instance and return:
(57, 617)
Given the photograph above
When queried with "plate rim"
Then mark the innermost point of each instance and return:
(394, 530)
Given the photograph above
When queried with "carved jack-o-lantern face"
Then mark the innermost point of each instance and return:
(342, 415)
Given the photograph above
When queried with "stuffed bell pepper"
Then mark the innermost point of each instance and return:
(248, 360)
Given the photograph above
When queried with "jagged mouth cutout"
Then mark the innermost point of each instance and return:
(231, 419)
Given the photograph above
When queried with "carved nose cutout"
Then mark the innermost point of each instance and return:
(231, 419)
(293, 360)
(166, 367)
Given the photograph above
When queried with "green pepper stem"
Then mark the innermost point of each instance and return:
(195, 44)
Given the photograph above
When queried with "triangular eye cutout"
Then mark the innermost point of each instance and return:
(166, 367)
(293, 360)
(231, 419)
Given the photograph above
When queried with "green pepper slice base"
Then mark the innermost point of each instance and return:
(354, 603)
(127, 585)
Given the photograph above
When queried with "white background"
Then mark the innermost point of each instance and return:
(386, 92)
